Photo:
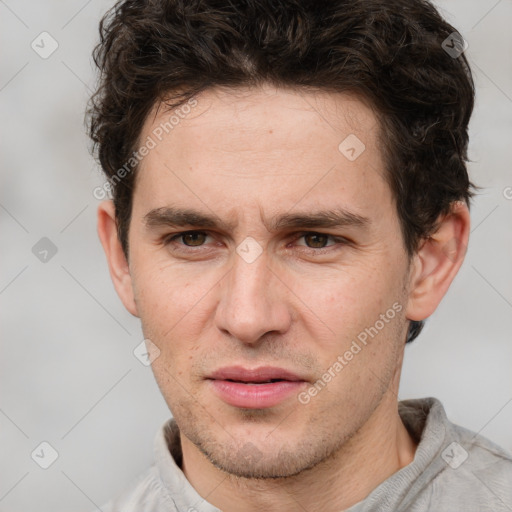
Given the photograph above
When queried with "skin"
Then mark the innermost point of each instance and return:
(245, 156)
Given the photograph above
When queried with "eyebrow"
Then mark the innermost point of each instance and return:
(186, 217)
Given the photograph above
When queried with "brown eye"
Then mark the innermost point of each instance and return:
(316, 240)
(193, 239)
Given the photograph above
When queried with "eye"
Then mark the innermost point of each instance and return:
(189, 238)
(319, 240)
(315, 240)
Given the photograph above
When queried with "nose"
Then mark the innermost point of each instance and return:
(252, 302)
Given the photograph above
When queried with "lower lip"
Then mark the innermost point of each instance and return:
(255, 396)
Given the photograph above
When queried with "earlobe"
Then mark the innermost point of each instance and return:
(437, 262)
(117, 263)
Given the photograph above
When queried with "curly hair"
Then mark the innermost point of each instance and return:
(389, 52)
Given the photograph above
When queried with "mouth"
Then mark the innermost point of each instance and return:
(261, 375)
(256, 388)
(257, 383)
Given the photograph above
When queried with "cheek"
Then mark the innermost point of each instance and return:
(350, 304)
(346, 299)
(168, 300)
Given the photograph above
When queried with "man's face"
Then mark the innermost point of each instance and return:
(295, 295)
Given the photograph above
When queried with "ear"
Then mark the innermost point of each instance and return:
(117, 263)
(437, 262)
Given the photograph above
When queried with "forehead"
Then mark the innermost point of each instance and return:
(226, 119)
(267, 147)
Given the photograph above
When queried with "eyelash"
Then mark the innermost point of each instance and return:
(170, 239)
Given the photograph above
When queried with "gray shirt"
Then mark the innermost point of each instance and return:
(454, 470)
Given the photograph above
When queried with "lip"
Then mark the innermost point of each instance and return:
(261, 374)
(248, 388)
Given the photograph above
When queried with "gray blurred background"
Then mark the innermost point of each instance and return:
(68, 375)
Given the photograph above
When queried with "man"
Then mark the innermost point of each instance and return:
(290, 203)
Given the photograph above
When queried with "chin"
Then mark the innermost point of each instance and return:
(252, 463)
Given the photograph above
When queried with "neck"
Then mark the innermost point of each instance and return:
(380, 448)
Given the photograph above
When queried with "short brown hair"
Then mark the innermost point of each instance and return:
(390, 52)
